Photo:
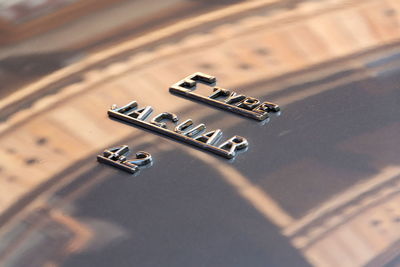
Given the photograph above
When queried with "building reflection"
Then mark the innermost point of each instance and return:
(52, 129)
(43, 238)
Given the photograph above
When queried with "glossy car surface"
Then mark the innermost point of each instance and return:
(318, 186)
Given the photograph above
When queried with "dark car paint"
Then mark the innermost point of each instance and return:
(181, 211)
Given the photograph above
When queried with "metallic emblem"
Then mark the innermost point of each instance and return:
(116, 157)
(223, 98)
(184, 132)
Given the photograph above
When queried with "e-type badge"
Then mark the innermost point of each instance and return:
(116, 157)
(223, 98)
(184, 132)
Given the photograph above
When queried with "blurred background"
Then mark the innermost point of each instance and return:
(319, 185)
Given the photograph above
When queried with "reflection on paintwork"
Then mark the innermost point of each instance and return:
(319, 186)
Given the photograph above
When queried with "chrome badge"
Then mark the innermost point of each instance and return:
(185, 132)
(222, 98)
(116, 157)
